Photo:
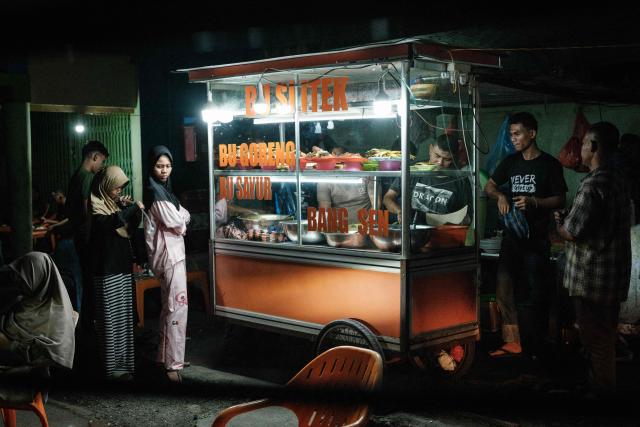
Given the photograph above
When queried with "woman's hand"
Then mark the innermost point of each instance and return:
(126, 200)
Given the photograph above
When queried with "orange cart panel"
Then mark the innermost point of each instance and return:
(309, 293)
(442, 300)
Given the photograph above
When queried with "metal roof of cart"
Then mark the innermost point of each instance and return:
(388, 51)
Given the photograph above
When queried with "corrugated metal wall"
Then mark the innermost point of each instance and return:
(57, 149)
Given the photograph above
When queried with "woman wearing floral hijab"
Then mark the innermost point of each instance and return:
(165, 244)
(113, 220)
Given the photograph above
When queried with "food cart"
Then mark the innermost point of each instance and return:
(405, 286)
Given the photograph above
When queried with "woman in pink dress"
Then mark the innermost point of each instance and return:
(165, 244)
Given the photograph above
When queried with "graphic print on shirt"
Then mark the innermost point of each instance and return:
(430, 199)
(523, 183)
(181, 299)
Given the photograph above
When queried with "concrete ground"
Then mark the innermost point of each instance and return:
(234, 365)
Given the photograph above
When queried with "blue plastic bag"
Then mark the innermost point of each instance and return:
(516, 223)
(501, 149)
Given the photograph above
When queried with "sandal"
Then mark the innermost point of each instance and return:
(504, 352)
(174, 376)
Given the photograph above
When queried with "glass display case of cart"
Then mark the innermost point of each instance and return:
(319, 150)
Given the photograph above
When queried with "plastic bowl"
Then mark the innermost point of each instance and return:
(352, 166)
(370, 166)
(326, 164)
(449, 236)
(389, 164)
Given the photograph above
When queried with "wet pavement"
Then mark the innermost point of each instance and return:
(231, 365)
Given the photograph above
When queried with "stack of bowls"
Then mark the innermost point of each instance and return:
(492, 245)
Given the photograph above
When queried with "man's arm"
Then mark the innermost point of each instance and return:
(560, 228)
(389, 201)
(323, 195)
(529, 202)
(491, 188)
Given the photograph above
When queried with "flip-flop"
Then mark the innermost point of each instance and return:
(503, 352)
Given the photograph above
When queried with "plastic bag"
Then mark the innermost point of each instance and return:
(501, 149)
(516, 223)
(570, 156)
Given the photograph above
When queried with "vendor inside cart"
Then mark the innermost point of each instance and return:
(436, 194)
(352, 196)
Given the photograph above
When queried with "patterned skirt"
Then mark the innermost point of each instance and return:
(114, 322)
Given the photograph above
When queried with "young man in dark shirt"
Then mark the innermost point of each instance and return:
(536, 186)
(94, 156)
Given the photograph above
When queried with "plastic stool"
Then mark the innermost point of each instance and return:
(198, 278)
(8, 410)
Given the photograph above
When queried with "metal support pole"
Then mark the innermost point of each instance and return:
(212, 209)
(18, 126)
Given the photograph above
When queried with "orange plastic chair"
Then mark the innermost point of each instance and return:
(8, 410)
(339, 369)
(198, 278)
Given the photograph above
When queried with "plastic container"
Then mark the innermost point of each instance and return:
(389, 164)
(326, 164)
(448, 236)
(352, 166)
(370, 166)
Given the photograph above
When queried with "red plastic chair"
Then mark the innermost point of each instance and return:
(8, 410)
(339, 369)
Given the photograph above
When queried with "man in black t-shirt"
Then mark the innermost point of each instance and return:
(435, 193)
(536, 187)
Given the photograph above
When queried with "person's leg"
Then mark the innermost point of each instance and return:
(88, 296)
(505, 297)
(539, 285)
(173, 318)
(598, 331)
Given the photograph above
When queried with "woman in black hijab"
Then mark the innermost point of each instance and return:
(165, 227)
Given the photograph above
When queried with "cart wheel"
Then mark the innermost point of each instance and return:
(347, 332)
(450, 361)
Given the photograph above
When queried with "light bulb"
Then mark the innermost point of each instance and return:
(209, 113)
(260, 107)
(382, 104)
(79, 128)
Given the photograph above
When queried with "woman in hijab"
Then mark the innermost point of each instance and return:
(36, 318)
(112, 222)
(163, 233)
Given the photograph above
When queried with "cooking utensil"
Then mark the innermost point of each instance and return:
(308, 237)
(420, 235)
(263, 221)
(353, 239)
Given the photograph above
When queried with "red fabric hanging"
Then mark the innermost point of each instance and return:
(570, 156)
